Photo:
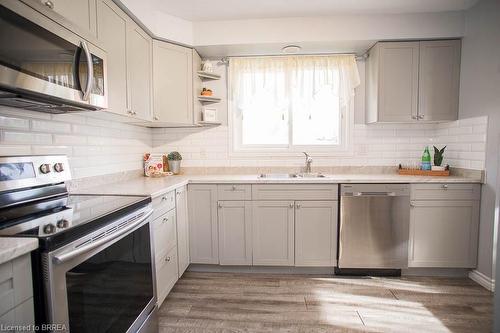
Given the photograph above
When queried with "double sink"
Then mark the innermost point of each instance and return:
(291, 175)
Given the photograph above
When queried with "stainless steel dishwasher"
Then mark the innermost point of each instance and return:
(373, 235)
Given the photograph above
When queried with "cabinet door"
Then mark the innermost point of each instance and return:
(443, 234)
(139, 66)
(112, 31)
(79, 12)
(398, 81)
(181, 207)
(439, 80)
(273, 233)
(316, 233)
(173, 83)
(197, 87)
(235, 232)
(203, 238)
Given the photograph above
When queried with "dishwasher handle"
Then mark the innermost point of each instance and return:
(374, 194)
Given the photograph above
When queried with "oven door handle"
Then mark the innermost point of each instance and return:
(59, 259)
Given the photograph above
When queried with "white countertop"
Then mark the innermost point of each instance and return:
(156, 186)
(13, 247)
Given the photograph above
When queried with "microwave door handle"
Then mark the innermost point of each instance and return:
(90, 71)
(59, 259)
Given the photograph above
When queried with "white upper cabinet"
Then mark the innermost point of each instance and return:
(112, 31)
(173, 83)
(439, 81)
(413, 81)
(81, 13)
(139, 66)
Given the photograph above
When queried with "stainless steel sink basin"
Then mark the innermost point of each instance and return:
(278, 175)
(291, 175)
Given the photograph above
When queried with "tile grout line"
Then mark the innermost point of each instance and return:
(360, 318)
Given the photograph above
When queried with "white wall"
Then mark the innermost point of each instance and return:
(480, 95)
(94, 146)
(332, 28)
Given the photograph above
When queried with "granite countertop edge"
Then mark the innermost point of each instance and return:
(14, 247)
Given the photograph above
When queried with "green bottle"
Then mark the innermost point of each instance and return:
(426, 159)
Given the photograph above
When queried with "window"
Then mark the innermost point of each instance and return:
(288, 103)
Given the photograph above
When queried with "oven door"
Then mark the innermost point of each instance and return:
(45, 62)
(107, 284)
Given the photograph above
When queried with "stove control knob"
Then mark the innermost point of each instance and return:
(59, 167)
(45, 168)
(49, 228)
(61, 224)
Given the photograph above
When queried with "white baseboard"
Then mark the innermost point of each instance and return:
(482, 280)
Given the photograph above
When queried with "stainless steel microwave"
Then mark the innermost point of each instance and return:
(46, 67)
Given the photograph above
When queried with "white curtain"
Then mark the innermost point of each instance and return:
(293, 77)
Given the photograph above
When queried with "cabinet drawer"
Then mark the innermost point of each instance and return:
(166, 274)
(234, 192)
(164, 233)
(163, 204)
(15, 283)
(295, 192)
(445, 191)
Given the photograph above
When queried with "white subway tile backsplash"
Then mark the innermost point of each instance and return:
(11, 122)
(70, 139)
(26, 137)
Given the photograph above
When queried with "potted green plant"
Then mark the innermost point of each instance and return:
(438, 159)
(174, 162)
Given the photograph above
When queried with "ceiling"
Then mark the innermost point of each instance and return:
(204, 10)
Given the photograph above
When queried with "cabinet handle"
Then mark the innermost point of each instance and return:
(167, 259)
(297, 205)
(421, 117)
(220, 204)
(291, 205)
(234, 187)
(49, 4)
(165, 219)
(156, 118)
(414, 117)
(163, 198)
(445, 186)
(412, 204)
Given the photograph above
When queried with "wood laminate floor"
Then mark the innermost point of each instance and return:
(226, 302)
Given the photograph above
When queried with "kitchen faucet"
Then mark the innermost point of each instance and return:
(309, 160)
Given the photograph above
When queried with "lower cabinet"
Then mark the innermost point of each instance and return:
(273, 233)
(235, 232)
(316, 233)
(181, 209)
(203, 231)
(443, 234)
(166, 274)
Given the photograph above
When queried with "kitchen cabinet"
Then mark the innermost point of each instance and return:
(203, 231)
(112, 31)
(444, 229)
(413, 81)
(81, 13)
(181, 208)
(316, 233)
(166, 274)
(197, 88)
(235, 232)
(16, 303)
(439, 80)
(273, 233)
(139, 69)
(173, 83)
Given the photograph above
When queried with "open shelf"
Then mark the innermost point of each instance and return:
(208, 99)
(208, 76)
(209, 123)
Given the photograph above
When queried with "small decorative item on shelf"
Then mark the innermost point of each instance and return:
(206, 92)
(174, 162)
(207, 66)
(209, 114)
(154, 165)
(438, 159)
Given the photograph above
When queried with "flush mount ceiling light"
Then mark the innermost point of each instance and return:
(290, 49)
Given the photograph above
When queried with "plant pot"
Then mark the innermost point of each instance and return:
(174, 166)
(438, 168)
